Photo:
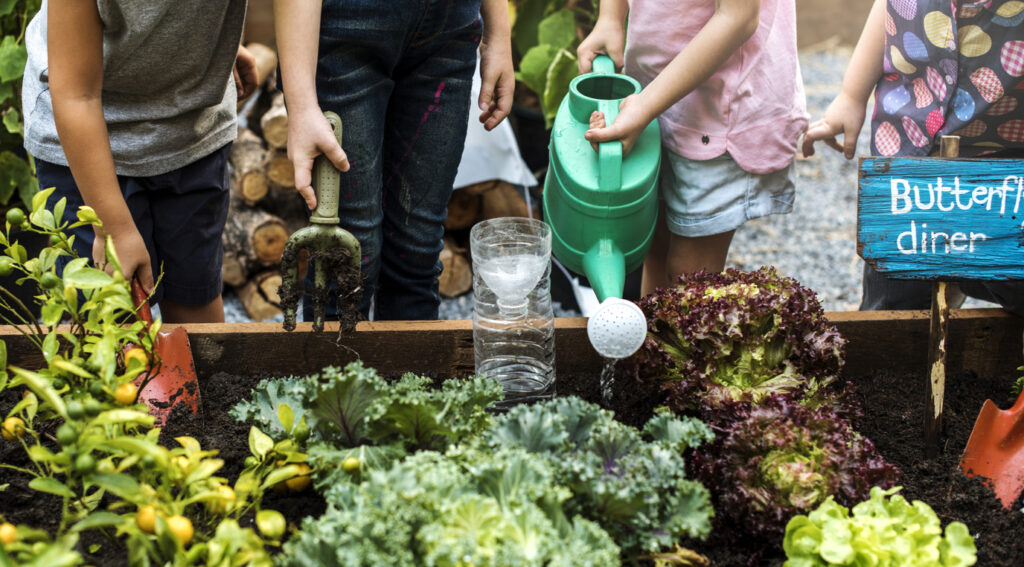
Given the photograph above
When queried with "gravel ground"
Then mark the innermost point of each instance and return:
(816, 244)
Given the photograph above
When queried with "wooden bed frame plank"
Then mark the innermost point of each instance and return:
(984, 341)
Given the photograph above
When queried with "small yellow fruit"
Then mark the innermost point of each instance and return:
(181, 527)
(136, 355)
(126, 393)
(183, 463)
(225, 499)
(145, 518)
(8, 533)
(350, 465)
(301, 482)
(13, 428)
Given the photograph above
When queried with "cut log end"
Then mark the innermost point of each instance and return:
(457, 274)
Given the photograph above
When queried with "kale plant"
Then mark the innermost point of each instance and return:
(630, 482)
(499, 508)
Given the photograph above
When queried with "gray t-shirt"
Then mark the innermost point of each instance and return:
(168, 93)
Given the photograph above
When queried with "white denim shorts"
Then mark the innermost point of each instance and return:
(707, 197)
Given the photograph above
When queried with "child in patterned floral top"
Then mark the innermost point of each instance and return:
(937, 67)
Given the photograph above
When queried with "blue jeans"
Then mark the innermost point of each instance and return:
(400, 76)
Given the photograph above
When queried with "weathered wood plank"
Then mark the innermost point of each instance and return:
(941, 218)
(984, 341)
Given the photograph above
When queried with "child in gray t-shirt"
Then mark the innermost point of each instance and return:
(132, 112)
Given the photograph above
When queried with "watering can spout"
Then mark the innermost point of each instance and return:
(605, 267)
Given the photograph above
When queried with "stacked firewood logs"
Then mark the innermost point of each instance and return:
(265, 209)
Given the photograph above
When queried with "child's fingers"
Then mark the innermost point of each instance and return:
(308, 195)
(849, 142)
(597, 119)
(145, 276)
(337, 157)
(303, 181)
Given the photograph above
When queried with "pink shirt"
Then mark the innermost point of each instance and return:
(753, 107)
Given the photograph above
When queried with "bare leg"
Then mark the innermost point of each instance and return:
(212, 312)
(655, 267)
(672, 255)
(688, 255)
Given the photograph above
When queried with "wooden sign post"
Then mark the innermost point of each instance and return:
(941, 219)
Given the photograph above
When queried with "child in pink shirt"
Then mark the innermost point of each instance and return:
(723, 80)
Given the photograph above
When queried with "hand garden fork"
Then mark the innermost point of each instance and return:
(333, 251)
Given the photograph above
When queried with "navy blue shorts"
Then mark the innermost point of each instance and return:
(180, 214)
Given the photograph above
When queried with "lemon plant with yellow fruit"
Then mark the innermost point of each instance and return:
(89, 441)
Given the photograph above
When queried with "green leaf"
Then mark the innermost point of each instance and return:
(88, 278)
(120, 485)
(15, 173)
(561, 72)
(124, 416)
(41, 387)
(533, 69)
(12, 121)
(50, 486)
(3, 365)
(98, 520)
(558, 30)
(86, 214)
(259, 442)
(50, 346)
(6, 6)
(39, 199)
(205, 470)
(287, 416)
(28, 187)
(140, 447)
(280, 475)
(52, 313)
(13, 57)
(43, 218)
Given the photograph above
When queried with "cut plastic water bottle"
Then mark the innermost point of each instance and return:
(513, 322)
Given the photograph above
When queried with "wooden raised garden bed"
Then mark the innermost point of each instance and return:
(886, 356)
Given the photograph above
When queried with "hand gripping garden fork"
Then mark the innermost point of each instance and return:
(332, 249)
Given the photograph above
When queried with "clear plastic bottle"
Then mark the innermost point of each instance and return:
(514, 336)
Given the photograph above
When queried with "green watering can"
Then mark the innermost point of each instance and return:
(602, 206)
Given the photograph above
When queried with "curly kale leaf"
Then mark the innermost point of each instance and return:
(268, 397)
(462, 509)
(426, 418)
(635, 489)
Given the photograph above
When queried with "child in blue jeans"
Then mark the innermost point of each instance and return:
(399, 74)
(936, 68)
(131, 110)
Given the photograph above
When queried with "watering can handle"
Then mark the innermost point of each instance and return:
(603, 65)
(327, 181)
(609, 154)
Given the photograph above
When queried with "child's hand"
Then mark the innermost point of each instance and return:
(497, 80)
(607, 38)
(131, 253)
(844, 116)
(627, 126)
(245, 73)
(309, 136)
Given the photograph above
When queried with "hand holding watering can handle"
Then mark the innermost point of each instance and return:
(609, 154)
(327, 181)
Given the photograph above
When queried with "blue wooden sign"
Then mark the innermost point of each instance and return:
(942, 218)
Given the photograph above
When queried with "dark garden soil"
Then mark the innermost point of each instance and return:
(894, 410)
(893, 406)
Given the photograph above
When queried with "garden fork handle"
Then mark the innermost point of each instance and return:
(327, 181)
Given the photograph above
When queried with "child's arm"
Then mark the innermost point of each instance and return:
(75, 53)
(309, 133)
(497, 76)
(607, 37)
(732, 24)
(846, 113)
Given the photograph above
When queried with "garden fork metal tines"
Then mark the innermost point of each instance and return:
(333, 251)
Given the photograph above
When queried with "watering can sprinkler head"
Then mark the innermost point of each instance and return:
(617, 329)
(332, 249)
